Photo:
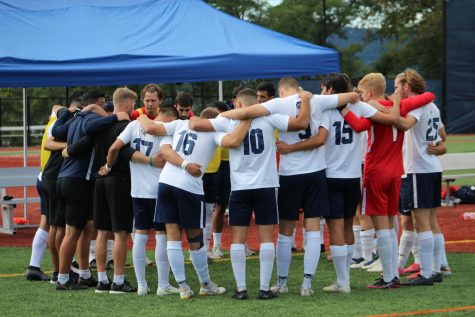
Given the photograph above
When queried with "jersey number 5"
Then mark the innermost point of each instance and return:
(255, 140)
(187, 140)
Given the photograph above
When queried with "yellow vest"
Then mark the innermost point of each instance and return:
(224, 154)
(213, 165)
(44, 154)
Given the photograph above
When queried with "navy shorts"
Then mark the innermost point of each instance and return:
(144, 211)
(426, 190)
(262, 201)
(175, 205)
(406, 198)
(43, 199)
(344, 194)
(76, 199)
(210, 187)
(308, 191)
(53, 203)
(224, 183)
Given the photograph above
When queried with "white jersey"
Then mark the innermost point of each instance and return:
(144, 178)
(309, 161)
(425, 131)
(343, 144)
(193, 146)
(406, 154)
(253, 164)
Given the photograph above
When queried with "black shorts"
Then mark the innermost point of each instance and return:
(43, 200)
(426, 190)
(144, 212)
(175, 205)
(210, 187)
(262, 201)
(113, 204)
(76, 195)
(344, 194)
(224, 183)
(406, 198)
(54, 216)
(308, 191)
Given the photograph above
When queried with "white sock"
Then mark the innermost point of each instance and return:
(85, 274)
(266, 264)
(238, 262)
(311, 257)
(284, 255)
(394, 247)
(161, 259)
(208, 229)
(92, 250)
(350, 250)
(38, 247)
(367, 244)
(443, 255)
(110, 246)
(217, 239)
(102, 277)
(438, 246)
(177, 261)
(405, 246)
(415, 249)
(138, 256)
(118, 279)
(339, 253)
(63, 278)
(199, 258)
(358, 252)
(385, 253)
(426, 252)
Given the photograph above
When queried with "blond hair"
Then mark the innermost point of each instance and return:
(209, 113)
(375, 82)
(247, 97)
(122, 94)
(288, 82)
(413, 79)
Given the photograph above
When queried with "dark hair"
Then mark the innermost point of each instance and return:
(339, 82)
(151, 88)
(109, 106)
(91, 97)
(267, 86)
(236, 90)
(76, 97)
(356, 80)
(184, 99)
(221, 106)
(168, 112)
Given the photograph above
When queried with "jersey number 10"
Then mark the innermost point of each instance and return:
(254, 141)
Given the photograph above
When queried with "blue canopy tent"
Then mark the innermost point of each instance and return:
(115, 42)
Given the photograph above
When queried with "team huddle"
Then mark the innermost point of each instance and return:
(350, 157)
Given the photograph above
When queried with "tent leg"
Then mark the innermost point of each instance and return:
(220, 85)
(25, 147)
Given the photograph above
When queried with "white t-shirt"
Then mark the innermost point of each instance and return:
(425, 131)
(253, 164)
(309, 161)
(144, 178)
(344, 144)
(195, 147)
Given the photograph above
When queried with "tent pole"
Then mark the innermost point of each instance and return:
(25, 146)
(220, 84)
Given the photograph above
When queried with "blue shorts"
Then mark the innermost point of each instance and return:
(43, 198)
(426, 190)
(144, 211)
(262, 201)
(406, 197)
(175, 205)
(344, 194)
(308, 191)
(210, 187)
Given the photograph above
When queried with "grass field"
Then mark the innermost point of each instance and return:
(23, 298)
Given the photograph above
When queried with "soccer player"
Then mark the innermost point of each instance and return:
(184, 105)
(144, 188)
(180, 201)
(152, 97)
(265, 92)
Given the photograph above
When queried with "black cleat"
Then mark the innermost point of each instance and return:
(54, 278)
(240, 295)
(89, 282)
(103, 287)
(70, 285)
(419, 281)
(437, 277)
(35, 274)
(381, 284)
(122, 288)
(74, 276)
(266, 295)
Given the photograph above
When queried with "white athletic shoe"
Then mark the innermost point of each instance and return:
(169, 290)
(148, 261)
(249, 252)
(186, 292)
(216, 253)
(370, 264)
(378, 267)
(306, 292)
(211, 288)
(280, 289)
(335, 288)
(142, 291)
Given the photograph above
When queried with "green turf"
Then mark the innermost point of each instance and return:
(23, 298)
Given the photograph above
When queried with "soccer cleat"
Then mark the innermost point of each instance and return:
(169, 290)
(216, 253)
(378, 267)
(89, 282)
(54, 278)
(368, 265)
(123, 288)
(70, 285)
(266, 294)
(186, 292)
(437, 277)
(419, 281)
(305, 292)
(249, 252)
(413, 276)
(35, 274)
(147, 262)
(142, 291)
(92, 263)
(381, 284)
(211, 288)
(413, 268)
(110, 265)
(358, 265)
(446, 271)
(281, 289)
(397, 282)
(103, 287)
(335, 288)
(240, 295)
